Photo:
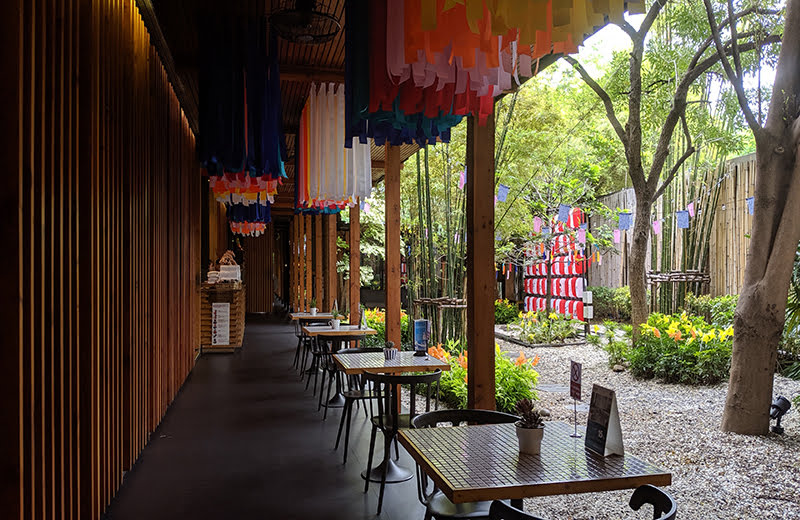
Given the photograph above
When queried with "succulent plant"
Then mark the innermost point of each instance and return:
(530, 416)
(389, 344)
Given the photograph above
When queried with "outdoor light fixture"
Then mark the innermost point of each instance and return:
(778, 409)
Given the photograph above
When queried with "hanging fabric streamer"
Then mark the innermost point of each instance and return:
(690, 209)
(657, 227)
(546, 230)
(329, 174)
(750, 204)
(537, 224)
(502, 192)
(624, 220)
(563, 212)
(584, 226)
(582, 236)
(616, 236)
(682, 219)
(462, 179)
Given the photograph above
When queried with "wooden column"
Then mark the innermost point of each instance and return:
(309, 266)
(355, 262)
(331, 276)
(292, 264)
(318, 272)
(480, 264)
(392, 184)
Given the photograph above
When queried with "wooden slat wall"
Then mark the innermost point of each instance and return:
(732, 225)
(102, 204)
(258, 271)
(217, 228)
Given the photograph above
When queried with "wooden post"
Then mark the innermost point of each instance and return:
(331, 275)
(291, 261)
(392, 184)
(308, 263)
(318, 273)
(301, 278)
(480, 264)
(355, 262)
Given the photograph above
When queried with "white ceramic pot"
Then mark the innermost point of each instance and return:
(313, 311)
(530, 440)
(335, 324)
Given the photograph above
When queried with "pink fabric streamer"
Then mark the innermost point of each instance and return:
(657, 227)
(616, 236)
(690, 209)
(537, 224)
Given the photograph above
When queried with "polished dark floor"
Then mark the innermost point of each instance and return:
(243, 439)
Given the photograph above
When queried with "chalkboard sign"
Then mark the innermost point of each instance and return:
(603, 430)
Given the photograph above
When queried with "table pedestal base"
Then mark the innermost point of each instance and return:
(337, 401)
(394, 473)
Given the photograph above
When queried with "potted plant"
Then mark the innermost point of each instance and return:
(530, 427)
(389, 352)
(313, 306)
(336, 319)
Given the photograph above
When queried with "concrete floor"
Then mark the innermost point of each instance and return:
(243, 439)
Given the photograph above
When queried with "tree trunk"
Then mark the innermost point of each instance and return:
(636, 267)
(761, 311)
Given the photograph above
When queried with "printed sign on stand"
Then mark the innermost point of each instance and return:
(422, 334)
(575, 380)
(603, 431)
(220, 323)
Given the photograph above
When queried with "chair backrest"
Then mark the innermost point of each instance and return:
(502, 511)
(359, 350)
(385, 385)
(336, 342)
(664, 506)
(456, 417)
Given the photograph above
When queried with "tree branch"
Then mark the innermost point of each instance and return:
(603, 95)
(704, 47)
(735, 80)
(629, 30)
(651, 16)
(688, 153)
(737, 59)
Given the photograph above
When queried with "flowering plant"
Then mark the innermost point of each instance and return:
(543, 327)
(376, 319)
(681, 349)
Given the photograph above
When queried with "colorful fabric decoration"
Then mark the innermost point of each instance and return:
(563, 212)
(750, 204)
(581, 236)
(546, 230)
(616, 236)
(462, 179)
(328, 174)
(502, 192)
(657, 227)
(537, 224)
(624, 220)
(690, 209)
(682, 218)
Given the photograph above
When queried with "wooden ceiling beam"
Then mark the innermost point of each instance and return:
(306, 74)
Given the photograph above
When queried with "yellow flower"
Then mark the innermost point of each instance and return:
(553, 316)
(727, 333)
(709, 336)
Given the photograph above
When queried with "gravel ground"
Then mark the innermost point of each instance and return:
(676, 427)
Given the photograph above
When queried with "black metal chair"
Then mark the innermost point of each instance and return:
(437, 505)
(664, 506)
(389, 419)
(328, 366)
(357, 391)
(304, 343)
(502, 511)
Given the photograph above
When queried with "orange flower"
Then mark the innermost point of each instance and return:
(465, 378)
(675, 335)
(656, 332)
(535, 361)
(694, 333)
(462, 360)
(521, 359)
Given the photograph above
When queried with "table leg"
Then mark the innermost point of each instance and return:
(394, 472)
(517, 502)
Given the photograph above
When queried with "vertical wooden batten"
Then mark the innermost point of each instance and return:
(102, 202)
(318, 272)
(392, 194)
(331, 276)
(309, 265)
(355, 262)
(480, 264)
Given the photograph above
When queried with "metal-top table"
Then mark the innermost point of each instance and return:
(376, 362)
(475, 463)
(343, 330)
(307, 316)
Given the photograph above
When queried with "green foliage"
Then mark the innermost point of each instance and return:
(617, 352)
(505, 311)
(530, 416)
(792, 371)
(717, 311)
(793, 304)
(515, 379)
(541, 327)
(594, 340)
(681, 349)
(611, 303)
(376, 319)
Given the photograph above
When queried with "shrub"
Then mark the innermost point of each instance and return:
(541, 327)
(681, 349)
(515, 379)
(505, 311)
(611, 303)
(376, 319)
(717, 311)
(617, 352)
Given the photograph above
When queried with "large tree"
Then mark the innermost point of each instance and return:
(760, 314)
(647, 163)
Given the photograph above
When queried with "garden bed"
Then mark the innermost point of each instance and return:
(715, 474)
(502, 332)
